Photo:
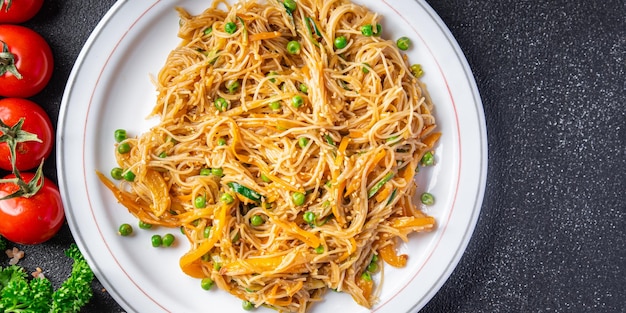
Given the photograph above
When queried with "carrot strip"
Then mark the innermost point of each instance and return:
(389, 255)
(264, 35)
(431, 139)
(309, 238)
(384, 194)
(190, 262)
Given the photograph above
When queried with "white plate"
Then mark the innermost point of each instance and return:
(109, 88)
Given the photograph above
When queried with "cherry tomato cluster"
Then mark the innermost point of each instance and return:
(31, 210)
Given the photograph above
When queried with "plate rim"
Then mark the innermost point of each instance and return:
(479, 110)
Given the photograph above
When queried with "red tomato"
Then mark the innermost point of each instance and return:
(32, 57)
(27, 154)
(18, 11)
(31, 220)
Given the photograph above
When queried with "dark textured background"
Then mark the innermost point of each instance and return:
(551, 234)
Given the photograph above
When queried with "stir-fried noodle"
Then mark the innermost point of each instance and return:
(289, 170)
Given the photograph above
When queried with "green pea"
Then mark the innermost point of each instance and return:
(144, 225)
(275, 105)
(427, 198)
(257, 220)
(416, 70)
(303, 88)
(265, 178)
(129, 176)
(340, 42)
(120, 135)
(298, 198)
(227, 198)
(366, 276)
(379, 30)
(272, 73)
(247, 305)
(293, 47)
(206, 232)
(117, 173)
(372, 267)
(163, 155)
(156, 240)
(365, 68)
(319, 249)
(217, 171)
(290, 5)
(199, 202)
(428, 159)
(367, 30)
(309, 217)
(206, 283)
(123, 148)
(221, 104)
(232, 86)
(303, 142)
(168, 240)
(403, 43)
(230, 27)
(221, 142)
(205, 172)
(125, 229)
(297, 101)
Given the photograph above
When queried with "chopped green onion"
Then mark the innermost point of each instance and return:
(206, 232)
(428, 159)
(366, 68)
(366, 276)
(272, 73)
(290, 5)
(247, 305)
(380, 184)
(163, 155)
(232, 86)
(245, 191)
(205, 172)
(329, 139)
(221, 104)
(379, 30)
(208, 31)
(319, 249)
(303, 88)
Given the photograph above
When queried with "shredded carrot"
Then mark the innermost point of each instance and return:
(190, 262)
(349, 252)
(389, 255)
(431, 139)
(264, 35)
(309, 238)
(420, 223)
(384, 194)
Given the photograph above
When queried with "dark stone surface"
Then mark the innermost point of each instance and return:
(551, 234)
